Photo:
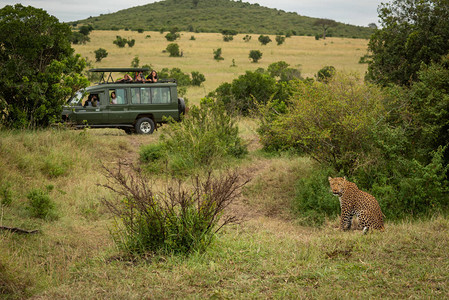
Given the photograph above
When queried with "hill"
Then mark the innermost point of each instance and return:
(215, 16)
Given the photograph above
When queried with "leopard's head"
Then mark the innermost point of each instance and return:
(337, 185)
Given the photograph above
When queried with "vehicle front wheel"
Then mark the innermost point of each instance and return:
(144, 126)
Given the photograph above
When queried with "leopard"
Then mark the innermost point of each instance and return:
(355, 202)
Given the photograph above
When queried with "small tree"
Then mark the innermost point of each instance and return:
(120, 42)
(280, 39)
(228, 35)
(247, 38)
(131, 43)
(100, 53)
(173, 49)
(326, 73)
(217, 54)
(325, 24)
(264, 39)
(255, 55)
(197, 78)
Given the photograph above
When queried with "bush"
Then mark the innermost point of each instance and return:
(313, 201)
(197, 78)
(120, 42)
(40, 204)
(217, 54)
(172, 36)
(206, 137)
(264, 39)
(100, 53)
(255, 55)
(330, 122)
(178, 220)
(280, 40)
(326, 73)
(173, 49)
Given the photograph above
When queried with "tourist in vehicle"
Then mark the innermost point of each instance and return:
(126, 78)
(113, 98)
(88, 101)
(139, 77)
(152, 77)
(95, 100)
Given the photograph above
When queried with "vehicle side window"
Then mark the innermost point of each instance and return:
(160, 95)
(120, 96)
(140, 95)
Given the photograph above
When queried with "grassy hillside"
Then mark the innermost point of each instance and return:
(266, 256)
(217, 15)
(305, 53)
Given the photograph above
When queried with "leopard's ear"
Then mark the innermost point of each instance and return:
(344, 177)
(329, 178)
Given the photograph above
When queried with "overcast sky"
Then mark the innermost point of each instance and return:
(355, 12)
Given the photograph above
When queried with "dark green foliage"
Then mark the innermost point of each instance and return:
(86, 29)
(183, 79)
(131, 43)
(325, 24)
(120, 42)
(100, 53)
(313, 202)
(197, 78)
(264, 39)
(228, 35)
(140, 30)
(38, 68)
(280, 39)
(247, 38)
(173, 49)
(412, 32)
(207, 137)
(78, 38)
(325, 74)
(429, 102)
(41, 205)
(217, 54)
(255, 55)
(172, 36)
(216, 15)
(177, 221)
(282, 71)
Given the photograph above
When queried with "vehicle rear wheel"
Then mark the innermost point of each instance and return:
(144, 126)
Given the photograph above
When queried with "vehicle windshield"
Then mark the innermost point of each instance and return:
(76, 99)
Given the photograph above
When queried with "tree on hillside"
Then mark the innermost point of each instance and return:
(38, 68)
(325, 24)
(100, 53)
(264, 39)
(412, 32)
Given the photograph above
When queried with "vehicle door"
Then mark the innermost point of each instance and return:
(118, 107)
(92, 111)
(162, 104)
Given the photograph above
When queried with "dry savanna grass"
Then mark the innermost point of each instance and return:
(301, 52)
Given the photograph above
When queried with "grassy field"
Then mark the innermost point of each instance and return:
(267, 256)
(301, 52)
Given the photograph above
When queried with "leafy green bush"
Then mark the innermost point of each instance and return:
(197, 78)
(313, 201)
(330, 122)
(120, 42)
(264, 39)
(173, 49)
(100, 53)
(41, 205)
(203, 138)
(325, 73)
(217, 54)
(255, 55)
(177, 220)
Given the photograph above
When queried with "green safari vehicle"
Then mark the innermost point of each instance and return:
(131, 106)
